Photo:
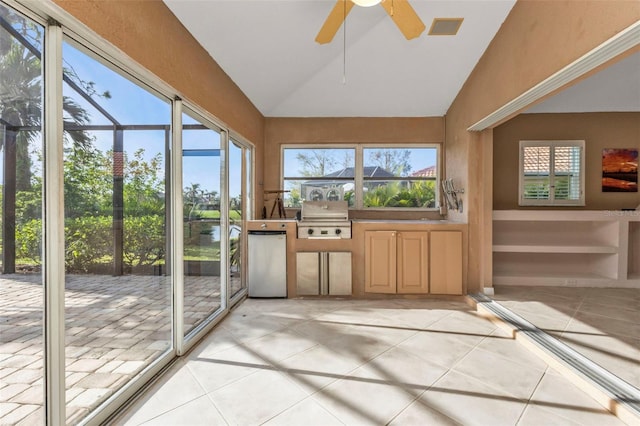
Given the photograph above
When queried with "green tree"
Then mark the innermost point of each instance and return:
(193, 194)
(347, 160)
(88, 183)
(21, 95)
(424, 193)
(143, 185)
(396, 161)
(318, 162)
(378, 196)
(394, 194)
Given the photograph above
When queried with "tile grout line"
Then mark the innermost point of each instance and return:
(533, 392)
(613, 393)
(348, 373)
(573, 316)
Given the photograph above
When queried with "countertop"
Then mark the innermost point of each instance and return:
(409, 221)
(390, 221)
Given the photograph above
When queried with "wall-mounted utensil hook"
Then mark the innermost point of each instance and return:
(451, 195)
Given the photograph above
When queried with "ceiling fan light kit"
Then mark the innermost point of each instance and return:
(366, 3)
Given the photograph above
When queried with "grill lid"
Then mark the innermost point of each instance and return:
(324, 211)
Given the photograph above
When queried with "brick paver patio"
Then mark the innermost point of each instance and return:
(115, 326)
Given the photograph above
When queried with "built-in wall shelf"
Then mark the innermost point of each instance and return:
(519, 248)
(634, 250)
(566, 248)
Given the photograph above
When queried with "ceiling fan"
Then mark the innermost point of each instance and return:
(400, 11)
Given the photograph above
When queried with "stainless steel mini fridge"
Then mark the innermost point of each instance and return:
(267, 258)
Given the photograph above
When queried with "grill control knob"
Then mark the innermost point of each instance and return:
(338, 231)
(310, 231)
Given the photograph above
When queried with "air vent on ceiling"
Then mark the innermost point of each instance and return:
(445, 26)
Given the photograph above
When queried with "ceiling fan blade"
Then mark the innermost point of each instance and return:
(405, 17)
(334, 21)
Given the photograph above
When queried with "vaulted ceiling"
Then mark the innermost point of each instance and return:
(268, 49)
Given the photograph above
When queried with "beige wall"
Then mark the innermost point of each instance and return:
(538, 38)
(598, 130)
(319, 131)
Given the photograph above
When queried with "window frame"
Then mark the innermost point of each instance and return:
(359, 179)
(284, 179)
(551, 200)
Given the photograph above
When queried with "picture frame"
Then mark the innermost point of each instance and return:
(620, 170)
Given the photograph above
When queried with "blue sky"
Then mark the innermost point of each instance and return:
(130, 104)
(420, 158)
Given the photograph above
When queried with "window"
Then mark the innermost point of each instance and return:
(366, 176)
(399, 177)
(318, 174)
(551, 173)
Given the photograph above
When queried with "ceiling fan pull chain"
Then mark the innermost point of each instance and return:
(344, 45)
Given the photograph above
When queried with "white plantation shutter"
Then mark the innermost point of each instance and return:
(537, 179)
(551, 173)
(566, 168)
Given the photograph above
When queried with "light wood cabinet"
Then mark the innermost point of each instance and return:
(396, 262)
(412, 262)
(445, 259)
(380, 261)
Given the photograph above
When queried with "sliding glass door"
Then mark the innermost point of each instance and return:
(239, 177)
(122, 216)
(21, 215)
(202, 214)
(117, 289)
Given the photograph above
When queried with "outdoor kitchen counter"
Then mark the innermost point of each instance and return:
(355, 245)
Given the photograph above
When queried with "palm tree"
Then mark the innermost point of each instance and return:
(21, 111)
(21, 93)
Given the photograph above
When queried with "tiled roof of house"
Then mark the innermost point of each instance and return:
(537, 159)
(426, 172)
(368, 171)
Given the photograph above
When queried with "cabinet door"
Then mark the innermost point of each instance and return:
(339, 273)
(307, 273)
(446, 262)
(380, 261)
(413, 262)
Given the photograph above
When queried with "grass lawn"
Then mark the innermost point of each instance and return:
(209, 252)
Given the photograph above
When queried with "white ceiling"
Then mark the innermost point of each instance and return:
(614, 89)
(267, 47)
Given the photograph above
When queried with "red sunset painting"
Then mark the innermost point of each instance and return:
(619, 170)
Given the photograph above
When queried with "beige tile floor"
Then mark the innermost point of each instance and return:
(602, 324)
(362, 362)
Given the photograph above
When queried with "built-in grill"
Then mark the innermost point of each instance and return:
(324, 219)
